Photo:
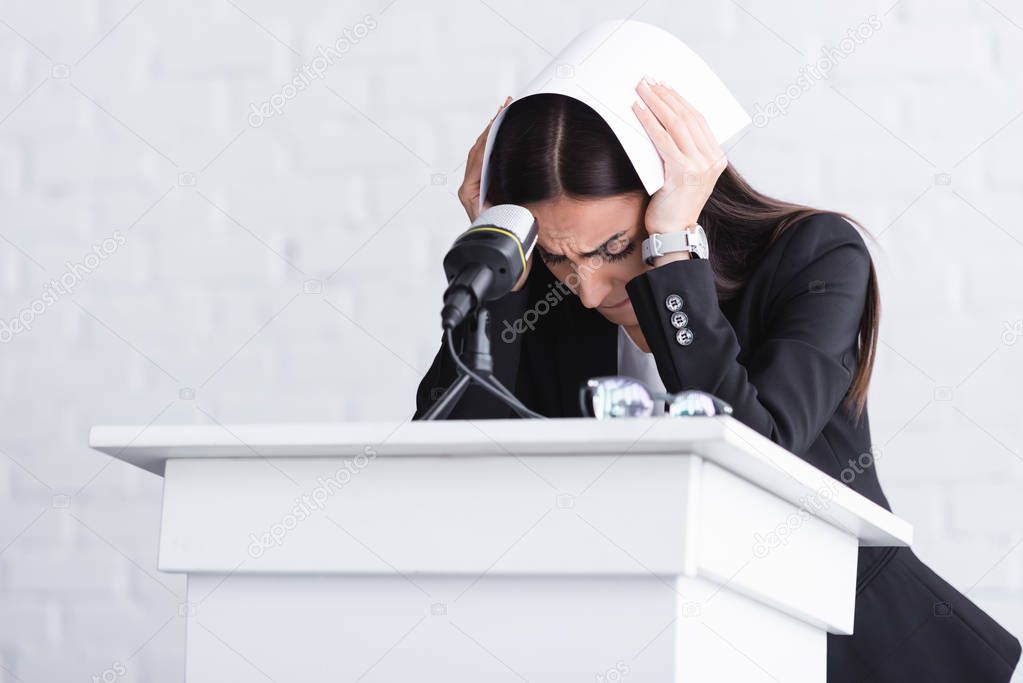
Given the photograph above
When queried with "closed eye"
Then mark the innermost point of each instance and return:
(623, 251)
(615, 249)
(551, 259)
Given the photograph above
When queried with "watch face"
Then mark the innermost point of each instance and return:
(702, 248)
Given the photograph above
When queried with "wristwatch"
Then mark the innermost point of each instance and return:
(693, 239)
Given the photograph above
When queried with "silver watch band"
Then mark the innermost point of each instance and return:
(660, 244)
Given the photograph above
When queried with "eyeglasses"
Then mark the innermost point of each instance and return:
(614, 396)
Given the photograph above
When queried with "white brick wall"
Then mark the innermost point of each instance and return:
(119, 117)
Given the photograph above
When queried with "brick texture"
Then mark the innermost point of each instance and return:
(250, 270)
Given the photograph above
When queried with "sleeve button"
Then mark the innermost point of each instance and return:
(673, 302)
(679, 319)
(684, 336)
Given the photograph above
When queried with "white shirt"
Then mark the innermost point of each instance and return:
(636, 363)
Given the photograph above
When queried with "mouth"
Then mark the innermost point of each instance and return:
(621, 304)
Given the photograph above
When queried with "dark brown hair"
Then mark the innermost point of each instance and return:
(551, 145)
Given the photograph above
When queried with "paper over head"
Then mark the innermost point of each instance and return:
(602, 67)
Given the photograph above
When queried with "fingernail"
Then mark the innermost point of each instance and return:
(639, 105)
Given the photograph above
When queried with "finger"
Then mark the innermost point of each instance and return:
(481, 141)
(507, 100)
(702, 135)
(661, 138)
(708, 142)
(468, 193)
(672, 122)
(474, 163)
(690, 117)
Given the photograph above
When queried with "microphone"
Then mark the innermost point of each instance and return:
(486, 260)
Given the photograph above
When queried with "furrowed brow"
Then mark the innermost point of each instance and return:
(594, 252)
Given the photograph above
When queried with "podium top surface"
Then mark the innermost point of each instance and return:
(722, 440)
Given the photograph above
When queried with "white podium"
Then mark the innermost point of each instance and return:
(658, 549)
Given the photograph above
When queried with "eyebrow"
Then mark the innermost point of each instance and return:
(595, 252)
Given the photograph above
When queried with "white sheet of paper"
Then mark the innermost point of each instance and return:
(602, 67)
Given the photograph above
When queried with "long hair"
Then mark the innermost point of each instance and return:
(551, 145)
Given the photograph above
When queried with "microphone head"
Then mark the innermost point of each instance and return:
(499, 241)
(487, 260)
(513, 218)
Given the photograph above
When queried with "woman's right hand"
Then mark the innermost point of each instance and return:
(469, 192)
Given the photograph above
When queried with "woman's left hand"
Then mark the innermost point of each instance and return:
(693, 160)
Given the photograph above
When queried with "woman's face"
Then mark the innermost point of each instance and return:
(593, 247)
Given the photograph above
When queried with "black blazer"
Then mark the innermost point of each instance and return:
(782, 353)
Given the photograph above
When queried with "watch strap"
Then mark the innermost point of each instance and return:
(661, 244)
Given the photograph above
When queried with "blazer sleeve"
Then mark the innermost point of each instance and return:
(792, 382)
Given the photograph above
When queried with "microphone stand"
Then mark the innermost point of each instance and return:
(476, 357)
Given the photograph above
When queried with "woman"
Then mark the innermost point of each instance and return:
(780, 321)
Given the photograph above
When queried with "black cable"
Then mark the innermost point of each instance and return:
(491, 384)
(507, 398)
(517, 405)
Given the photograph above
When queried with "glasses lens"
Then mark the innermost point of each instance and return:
(610, 397)
(690, 403)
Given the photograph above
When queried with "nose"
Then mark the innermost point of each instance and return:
(593, 289)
